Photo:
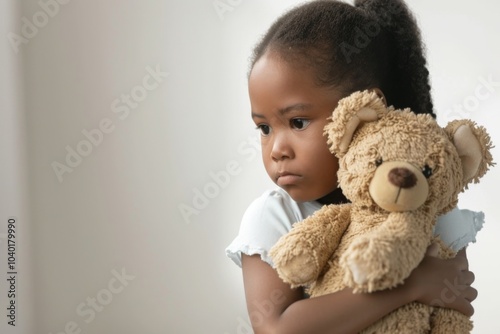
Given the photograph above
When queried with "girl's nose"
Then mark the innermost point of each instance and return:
(281, 149)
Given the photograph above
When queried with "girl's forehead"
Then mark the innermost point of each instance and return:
(272, 77)
(269, 66)
(275, 84)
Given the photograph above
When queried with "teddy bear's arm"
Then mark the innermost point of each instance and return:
(386, 256)
(300, 256)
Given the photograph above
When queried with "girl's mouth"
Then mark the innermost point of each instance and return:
(287, 179)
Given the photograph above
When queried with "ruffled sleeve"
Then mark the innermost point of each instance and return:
(268, 218)
(459, 227)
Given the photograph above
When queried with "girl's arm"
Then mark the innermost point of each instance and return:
(275, 308)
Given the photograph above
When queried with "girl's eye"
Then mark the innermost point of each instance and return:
(264, 129)
(299, 123)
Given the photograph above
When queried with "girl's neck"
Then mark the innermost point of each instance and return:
(335, 197)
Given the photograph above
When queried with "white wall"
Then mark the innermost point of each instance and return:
(118, 209)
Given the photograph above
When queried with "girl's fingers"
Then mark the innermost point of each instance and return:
(467, 309)
(471, 294)
(462, 262)
(468, 277)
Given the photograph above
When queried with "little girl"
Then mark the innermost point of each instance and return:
(310, 58)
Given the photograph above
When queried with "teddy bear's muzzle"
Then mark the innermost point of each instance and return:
(398, 186)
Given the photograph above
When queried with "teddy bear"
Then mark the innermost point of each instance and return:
(400, 171)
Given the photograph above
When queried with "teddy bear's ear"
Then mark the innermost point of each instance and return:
(473, 145)
(351, 112)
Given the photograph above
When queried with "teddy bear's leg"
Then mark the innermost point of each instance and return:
(300, 256)
(386, 256)
(412, 318)
(444, 321)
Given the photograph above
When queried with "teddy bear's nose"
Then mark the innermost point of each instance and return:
(402, 177)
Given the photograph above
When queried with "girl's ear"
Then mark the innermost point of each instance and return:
(473, 145)
(351, 112)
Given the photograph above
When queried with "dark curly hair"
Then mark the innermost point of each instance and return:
(375, 43)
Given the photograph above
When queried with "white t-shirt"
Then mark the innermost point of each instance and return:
(273, 214)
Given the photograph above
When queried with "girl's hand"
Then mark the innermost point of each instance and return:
(443, 283)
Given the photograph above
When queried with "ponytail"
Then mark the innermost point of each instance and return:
(375, 43)
(409, 76)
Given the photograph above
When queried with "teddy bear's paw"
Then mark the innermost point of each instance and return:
(299, 270)
(367, 268)
(359, 275)
(359, 271)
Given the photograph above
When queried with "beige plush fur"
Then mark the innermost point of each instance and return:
(400, 171)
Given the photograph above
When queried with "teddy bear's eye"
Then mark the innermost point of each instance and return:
(427, 171)
(378, 162)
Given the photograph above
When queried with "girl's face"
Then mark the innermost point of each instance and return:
(291, 111)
